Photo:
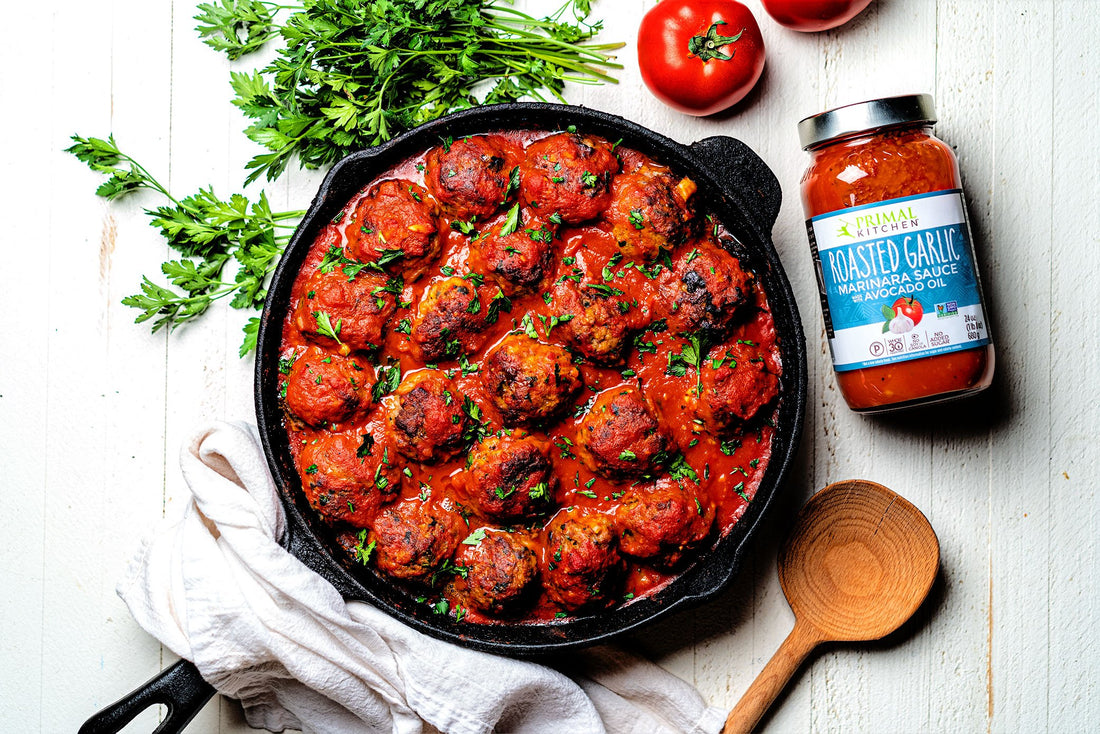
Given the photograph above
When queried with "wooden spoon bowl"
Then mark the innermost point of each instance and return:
(860, 561)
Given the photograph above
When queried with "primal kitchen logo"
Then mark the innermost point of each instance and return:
(876, 223)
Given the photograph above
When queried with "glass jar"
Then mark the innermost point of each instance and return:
(893, 254)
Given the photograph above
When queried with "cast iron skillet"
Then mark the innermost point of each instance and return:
(734, 184)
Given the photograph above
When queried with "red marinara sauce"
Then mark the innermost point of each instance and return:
(894, 259)
(526, 378)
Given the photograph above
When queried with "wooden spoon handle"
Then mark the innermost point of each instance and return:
(772, 679)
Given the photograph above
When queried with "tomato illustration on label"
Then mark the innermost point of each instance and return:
(902, 316)
(910, 307)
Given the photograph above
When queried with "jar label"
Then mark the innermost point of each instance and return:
(897, 280)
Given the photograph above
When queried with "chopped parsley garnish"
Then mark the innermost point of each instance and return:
(466, 228)
(467, 367)
(475, 537)
(499, 302)
(565, 445)
(555, 320)
(389, 377)
(325, 327)
(363, 549)
(513, 183)
(528, 326)
(680, 469)
(604, 290)
(476, 430)
(739, 488)
(511, 221)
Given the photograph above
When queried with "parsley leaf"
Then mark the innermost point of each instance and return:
(511, 221)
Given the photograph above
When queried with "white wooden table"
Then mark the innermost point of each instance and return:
(93, 408)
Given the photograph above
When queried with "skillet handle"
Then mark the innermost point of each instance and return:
(180, 688)
(737, 167)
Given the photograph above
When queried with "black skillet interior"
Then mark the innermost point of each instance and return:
(734, 184)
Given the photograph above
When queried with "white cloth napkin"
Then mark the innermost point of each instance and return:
(215, 586)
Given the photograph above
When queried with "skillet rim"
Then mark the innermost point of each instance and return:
(745, 196)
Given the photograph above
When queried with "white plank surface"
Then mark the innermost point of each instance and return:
(94, 408)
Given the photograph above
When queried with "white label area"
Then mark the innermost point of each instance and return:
(897, 280)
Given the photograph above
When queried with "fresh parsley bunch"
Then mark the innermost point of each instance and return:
(353, 73)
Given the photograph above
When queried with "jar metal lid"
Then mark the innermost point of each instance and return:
(864, 116)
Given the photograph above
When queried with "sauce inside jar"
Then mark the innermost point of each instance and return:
(894, 258)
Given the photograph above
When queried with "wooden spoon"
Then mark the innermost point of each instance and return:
(858, 563)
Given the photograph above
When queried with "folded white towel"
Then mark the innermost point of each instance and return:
(217, 588)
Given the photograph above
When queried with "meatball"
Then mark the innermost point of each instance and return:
(620, 435)
(427, 418)
(520, 260)
(501, 572)
(448, 320)
(511, 478)
(326, 388)
(413, 538)
(649, 210)
(593, 320)
(703, 289)
(348, 476)
(394, 225)
(583, 565)
(738, 389)
(529, 381)
(356, 310)
(663, 521)
(568, 174)
(469, 177)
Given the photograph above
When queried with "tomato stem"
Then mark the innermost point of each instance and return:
(709, 46)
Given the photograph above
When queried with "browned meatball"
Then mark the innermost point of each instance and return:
(529, 381)
(597, 325)
(449, 319)
(413, 537)
(327, 388)
(501, 571)
(663, 521)
(520, 260)
(427, 417)
(649, 210)
(394, 225)
(738, 389)
(357, 310)
(583, 566)
(469, 177)
(568, 174)
(620, 435)
(348, 476)
(704, 289)
(511, 478)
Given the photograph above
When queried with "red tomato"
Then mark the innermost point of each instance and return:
(700, 56)
(813, 15)
(909, 306)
